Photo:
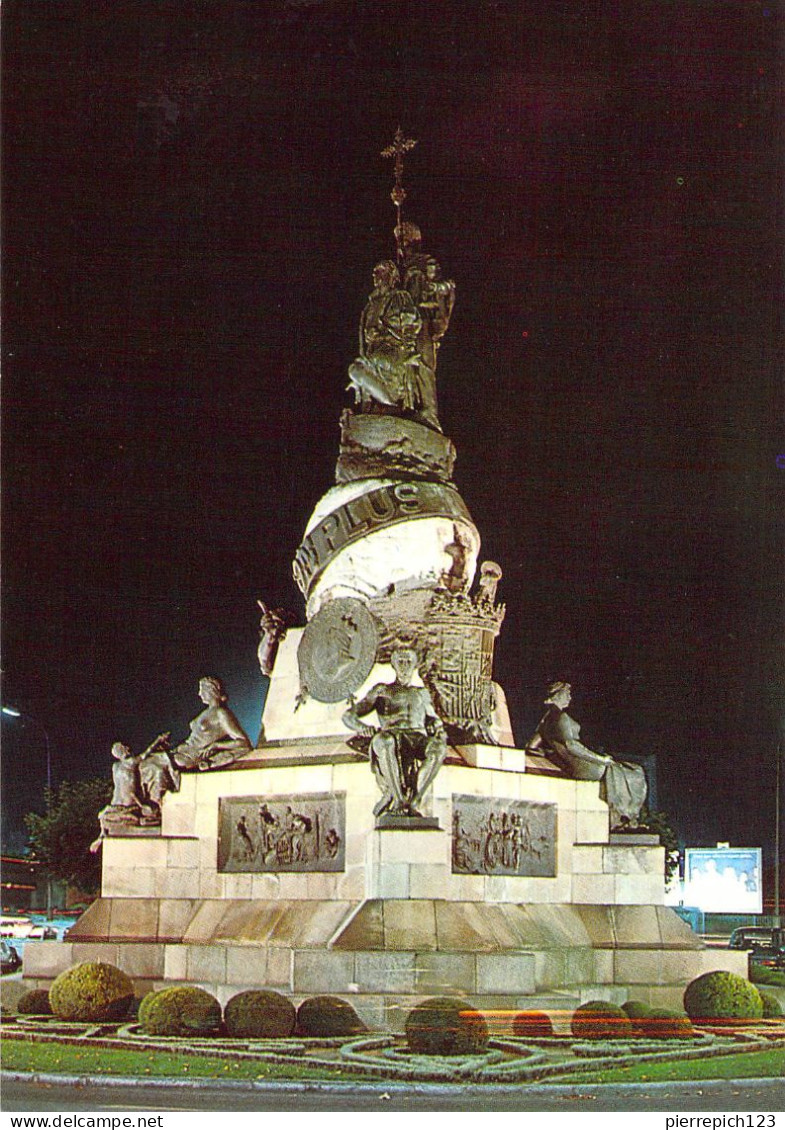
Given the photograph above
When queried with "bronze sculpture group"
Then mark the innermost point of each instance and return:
(406, 750)
(401, 328)
(141, 781)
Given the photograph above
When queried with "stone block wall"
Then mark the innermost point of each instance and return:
(395, 864)
(398, 922)
(386, 954)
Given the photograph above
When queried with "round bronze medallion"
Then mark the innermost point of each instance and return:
(338, 650)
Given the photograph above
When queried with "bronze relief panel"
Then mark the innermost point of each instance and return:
(494, 836)
(291, 833)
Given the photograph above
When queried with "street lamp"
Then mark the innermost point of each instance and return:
(11, 712)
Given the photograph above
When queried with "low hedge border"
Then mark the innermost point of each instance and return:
(588, 1049)
(355, 1053)
(396, 1062)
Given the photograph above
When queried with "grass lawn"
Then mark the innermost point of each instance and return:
(763, 975)
(747, 1065)
(67, 1059)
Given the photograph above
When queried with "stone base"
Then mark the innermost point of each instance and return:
(384, 955)
(401, 912)
(407, 823)
(634, 839)
(144, 830)
(183, 862)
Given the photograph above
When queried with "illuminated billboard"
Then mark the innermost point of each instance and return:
(724, 880)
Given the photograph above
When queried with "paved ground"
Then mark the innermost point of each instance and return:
(748, 1096)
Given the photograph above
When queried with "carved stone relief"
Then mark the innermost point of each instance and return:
(290, 833)
(492, 836)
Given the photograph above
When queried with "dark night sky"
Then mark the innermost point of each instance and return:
(193, 201)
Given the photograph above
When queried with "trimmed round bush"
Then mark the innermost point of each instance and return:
(600, 1020)
(328, 1016)
(35, 1002)
(258, 1014)
(91, 990)
(144, 1003)
(182, 1010)
(772, 1009)
(533, 1024)
(11, 992)
(720, 997)
(445, 1026)
(665, 1024)
(636, 1011)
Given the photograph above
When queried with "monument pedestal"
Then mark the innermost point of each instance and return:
(519, 899)
(274, 873)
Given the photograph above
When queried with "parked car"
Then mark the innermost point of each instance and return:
(20, 926)
(749, 937)
(26, 928)
(765, 944)
(9, 958)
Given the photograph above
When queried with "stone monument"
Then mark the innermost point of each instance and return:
(386, 839)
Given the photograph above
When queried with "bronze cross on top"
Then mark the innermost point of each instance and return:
(400, 145)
